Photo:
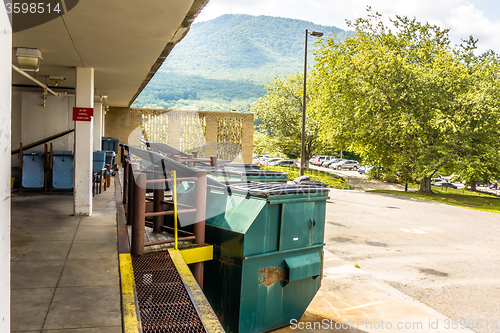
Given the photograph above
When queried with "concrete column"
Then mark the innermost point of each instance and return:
(212, 127)
(247, 138)
(98, 133)
(174, 119)
(5, 148)
(84, 135)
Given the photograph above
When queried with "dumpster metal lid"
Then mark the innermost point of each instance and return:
(169, 150)
(235, 171)
(268, 189)
(242, 165)
(152, 159)
(164, 148)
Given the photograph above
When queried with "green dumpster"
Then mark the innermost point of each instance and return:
(268, 247)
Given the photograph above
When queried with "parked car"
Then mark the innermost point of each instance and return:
(306, 180)
(326, 164)
(444, 183)
(270, 161)
(365, 169)
(318, 160)
(493, 186)
(261, 159)
(285, 162)
(345, 165)
(448, 178)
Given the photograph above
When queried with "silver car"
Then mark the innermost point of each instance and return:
(327, 164)
(345, 165)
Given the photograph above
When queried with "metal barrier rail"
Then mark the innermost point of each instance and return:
(156, 294)
(134, 198)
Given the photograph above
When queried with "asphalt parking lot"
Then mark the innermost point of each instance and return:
(443, 256)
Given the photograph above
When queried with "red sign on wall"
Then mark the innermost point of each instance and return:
(83, 114)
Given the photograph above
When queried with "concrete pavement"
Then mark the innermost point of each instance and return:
(350, 300)
(453, 268)
(360, 181)
(424, 266)
(64, 268)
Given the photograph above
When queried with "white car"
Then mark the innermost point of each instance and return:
(318, 160)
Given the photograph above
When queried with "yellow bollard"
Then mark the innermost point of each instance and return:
(174, 196)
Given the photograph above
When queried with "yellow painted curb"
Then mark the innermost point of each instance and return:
(198, 254)
(207, 315)
(130, 322)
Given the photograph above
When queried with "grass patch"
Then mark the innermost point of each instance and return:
(323, 177)
(461, 198)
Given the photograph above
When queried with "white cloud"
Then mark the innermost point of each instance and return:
(466, 20)
(461, 16)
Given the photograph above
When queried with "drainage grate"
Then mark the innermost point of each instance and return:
(164, 303)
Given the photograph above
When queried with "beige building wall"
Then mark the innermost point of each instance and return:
(121, 122)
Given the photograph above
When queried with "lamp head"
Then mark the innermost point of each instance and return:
(316, 33)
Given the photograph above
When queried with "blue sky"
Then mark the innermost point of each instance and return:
(480, 18)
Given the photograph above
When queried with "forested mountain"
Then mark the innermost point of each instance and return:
(222, 64)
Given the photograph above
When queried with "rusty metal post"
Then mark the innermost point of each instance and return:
(177, 158)
(130, 200)
(139, 225)
(199, 226)
(103, 178)
(213, 160)
(190, 157)
(100, 182)
(125, 179)
(158, 197)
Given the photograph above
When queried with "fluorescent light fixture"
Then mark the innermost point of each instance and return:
(30, 58)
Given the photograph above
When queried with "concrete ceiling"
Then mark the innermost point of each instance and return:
(125, 41)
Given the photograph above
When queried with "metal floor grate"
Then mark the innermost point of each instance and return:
(164, 303)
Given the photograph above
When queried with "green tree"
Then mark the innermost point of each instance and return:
(280, 112)
(479, 123)
(263, 143)
(407, 101)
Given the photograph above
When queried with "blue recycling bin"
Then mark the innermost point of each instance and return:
(33, 173)
(110, 144)
(63, 169)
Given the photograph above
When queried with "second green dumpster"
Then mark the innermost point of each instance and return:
(268, 247)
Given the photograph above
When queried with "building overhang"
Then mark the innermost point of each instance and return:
(125, 41)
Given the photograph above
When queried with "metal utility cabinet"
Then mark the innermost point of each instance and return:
(268, 247)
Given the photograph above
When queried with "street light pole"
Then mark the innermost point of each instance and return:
(303, 136)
